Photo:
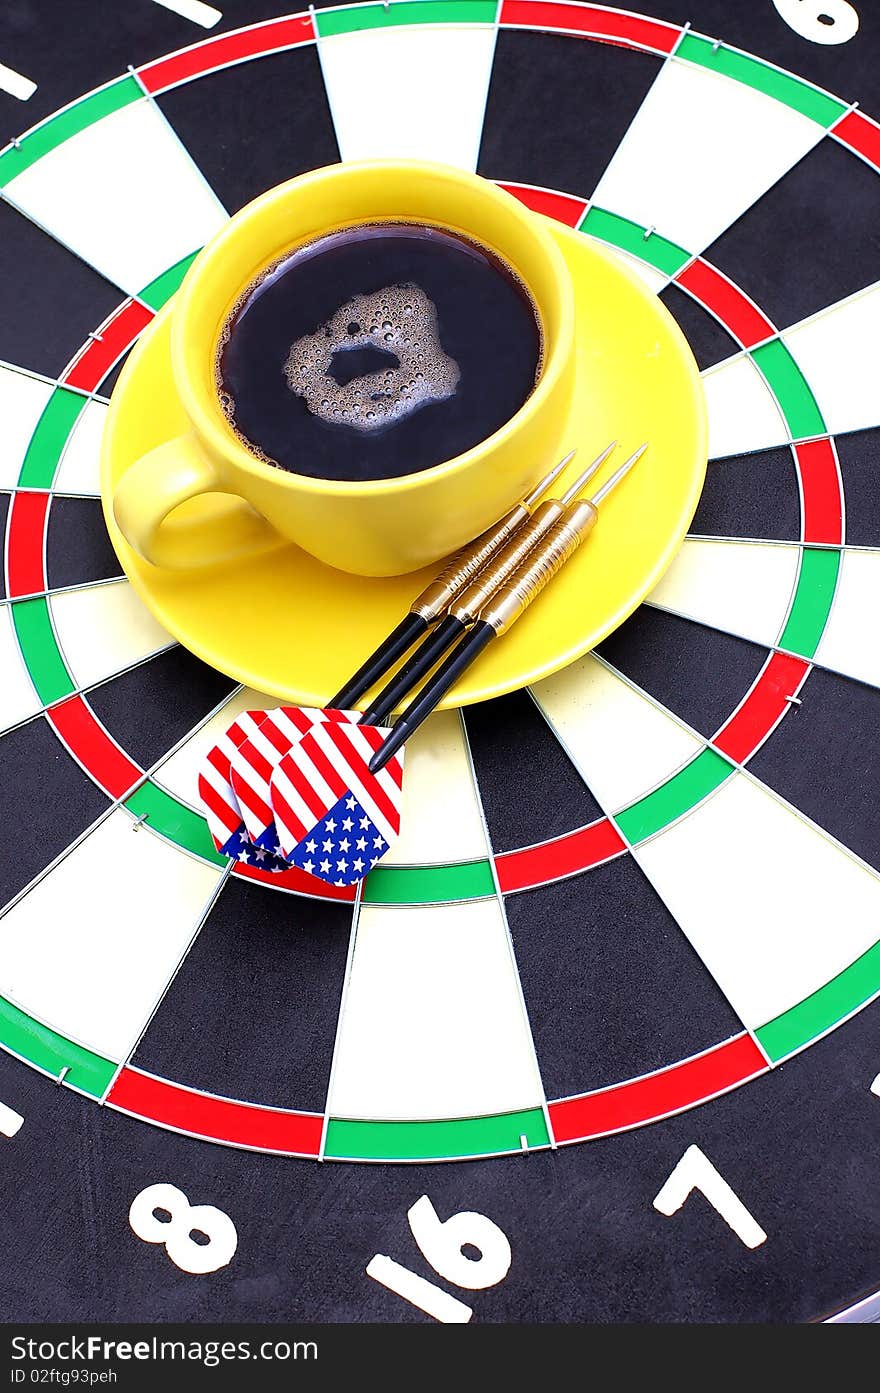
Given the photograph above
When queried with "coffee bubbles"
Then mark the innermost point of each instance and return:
(399, 322)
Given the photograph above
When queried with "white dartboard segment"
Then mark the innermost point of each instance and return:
(79, 468)
(742, 588)
(621, 743)
(743, 415)
(432, 1022)
(850, 642)
(179, 773)
(409, 92)
(123, 194)
(18, 699)
(773, 907)
(23, 399)
(837, 353)
(701, 149)
(103, 630)
(72, 958)
(440, 814)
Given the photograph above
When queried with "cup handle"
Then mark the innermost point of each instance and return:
(158, 483)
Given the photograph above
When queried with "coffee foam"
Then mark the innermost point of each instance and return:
(401, 320)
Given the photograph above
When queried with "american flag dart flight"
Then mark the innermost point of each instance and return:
(292, 787)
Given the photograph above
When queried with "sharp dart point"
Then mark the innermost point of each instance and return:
(543, 484)
(587, 474)
(618, 474)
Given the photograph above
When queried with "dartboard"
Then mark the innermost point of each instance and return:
(616, 982)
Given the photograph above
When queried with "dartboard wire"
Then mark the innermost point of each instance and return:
(736, 766)
(62, 589)
(343, 1001)
(208, 906)
(653, 1074)
(84, 691)
(508, 936)
(154, 106)
(815, 660)
(50, 381)
(119, 802)
(631, 846)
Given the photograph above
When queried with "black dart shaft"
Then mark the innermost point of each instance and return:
(411, 627)
(461, 657)
(414, 669)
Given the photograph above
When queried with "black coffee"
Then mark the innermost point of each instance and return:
(378, 351)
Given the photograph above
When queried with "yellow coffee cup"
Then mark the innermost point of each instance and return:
(378, 527)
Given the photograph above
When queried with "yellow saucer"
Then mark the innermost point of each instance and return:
(290, 626)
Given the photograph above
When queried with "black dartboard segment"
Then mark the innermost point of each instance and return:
(627, 941)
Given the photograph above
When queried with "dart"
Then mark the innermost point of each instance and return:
(439, 593)
(505, 607)
(464, 609)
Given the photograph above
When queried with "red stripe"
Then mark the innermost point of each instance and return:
(343, 742)
(762, 708)
(296, 881)
(576, 851)
(861, 134)
(99, 354)
(219, 761)
(643, 1100)
(744, 320)
(219, 807)
(820, 485)
(25, 567)
(307, 793)
(561, 206)
(255, 760)
(250, 799)
(219, 1119)
(612, 26)
(97, 751)
(285, 815)
(224, 49)
(327, 771)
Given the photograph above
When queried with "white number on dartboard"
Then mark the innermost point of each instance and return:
(177, 1234)
(820, 21)
(696, 1172)
(443, 1243)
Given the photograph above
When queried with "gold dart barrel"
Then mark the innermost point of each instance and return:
(465, 564)
(539, 568)
(501, 567)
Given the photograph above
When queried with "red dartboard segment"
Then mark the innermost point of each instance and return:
(225, 49)
(215, 1119)
(594, 21)
(861, 134)
(564, 856)
(560, 206)
(822, 492)
(647, 1099)
(93, 747)
(93, 363)
(724, 299)
(763, 707)
(25, 533)
(297, 883)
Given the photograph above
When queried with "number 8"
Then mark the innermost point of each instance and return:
(175, 1233)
